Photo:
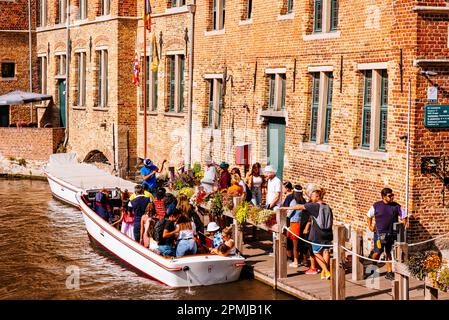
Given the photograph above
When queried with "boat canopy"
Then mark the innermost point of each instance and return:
(66, 167)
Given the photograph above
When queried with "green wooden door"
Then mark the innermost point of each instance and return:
(62, 97)
(276, 144)
(4, 116)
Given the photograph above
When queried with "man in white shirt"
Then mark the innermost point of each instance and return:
(274, 190)
(210, 176)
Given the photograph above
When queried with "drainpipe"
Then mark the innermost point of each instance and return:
(30, 56)
(192, 7)
(407, 166)
(67, 70)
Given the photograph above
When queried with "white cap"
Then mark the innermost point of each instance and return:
(269, 169)
(212, 226)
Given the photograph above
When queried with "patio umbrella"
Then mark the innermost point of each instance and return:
(22, 97)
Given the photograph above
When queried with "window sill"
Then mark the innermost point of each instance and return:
(374, 155)
(103, 17)
(79, 108)
(174, 114)
(310, 146)
(8, 79)
(78, 22)
(245, 22)
(60, 76)
(288, 16)
(104, 109)
(149, 113)
(176, 10)
(273, 113)
(214, 32)
(322, 36)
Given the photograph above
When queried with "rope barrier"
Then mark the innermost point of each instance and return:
(366, 258)
(312, 243)
(430, 240)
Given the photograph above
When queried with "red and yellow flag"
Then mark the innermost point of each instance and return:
(147, 15)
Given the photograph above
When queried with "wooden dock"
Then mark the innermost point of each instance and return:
(311, 287)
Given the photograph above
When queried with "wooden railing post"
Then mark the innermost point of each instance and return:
(357, 264)
(281, 219)
(338, 271)
(430, 293)
(400, 290)
(238, 235)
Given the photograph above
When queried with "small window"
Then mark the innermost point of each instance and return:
(325, 16)
(215, 104)
(8, 70)
(105, 7)
(366, 116)
(43, 13)
(321, 113)
(176, 66)
(178, 3)
(289, 6)
(82, 10)
(218, 14)
(276, 91)
(61, 61)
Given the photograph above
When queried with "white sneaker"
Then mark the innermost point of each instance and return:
(293, 265)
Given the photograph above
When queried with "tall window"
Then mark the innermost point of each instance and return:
(289, 6)
(215, 102)
(62, 11)
(105, 7)
(321, 112)
(42, 74)
(152, 85)
(276, 91)
(175, 67)
(43, 13)
(61, 63)
(102, 78)
(218, 14)
(80, 60)
(82, 10)
(325, 15)
(249, 9)
(375, 110)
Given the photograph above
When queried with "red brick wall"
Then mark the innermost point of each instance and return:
(30, 143)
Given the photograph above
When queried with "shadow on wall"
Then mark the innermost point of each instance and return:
(418, 233)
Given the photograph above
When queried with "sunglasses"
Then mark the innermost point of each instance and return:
(390, 195)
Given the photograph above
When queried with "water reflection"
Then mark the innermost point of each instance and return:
(44, 240)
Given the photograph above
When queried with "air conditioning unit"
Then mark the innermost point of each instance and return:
(242, 154)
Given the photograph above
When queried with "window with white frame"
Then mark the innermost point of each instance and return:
(218, 14)
(152, 87)
(321, 112)
(177, 3)
(61, 63)
(42, 73)
(105, 7)
(325, 16)
(62, 11)
(289, 6)
(215, 102)
(43, 7)
(375, 110)
(276, 90)
(249, 9)
(82, 10)
(175, 65)
(80, 61)
(102, 78)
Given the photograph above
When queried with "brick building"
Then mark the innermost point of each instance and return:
(314, 89)
(15, 55)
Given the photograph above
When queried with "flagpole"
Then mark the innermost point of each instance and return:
(145, 86)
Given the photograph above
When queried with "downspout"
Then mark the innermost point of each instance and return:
(67, 70)
(407, 165)
(30, 56)
(192, 8)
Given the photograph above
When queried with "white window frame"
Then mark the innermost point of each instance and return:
(61, 63)
(62, 6)
(278, 72)
(216, 79)
(324, 72)
(178, 3)
(220, 14)
(43, 78)
(152, 91)
(105, 7)
(177, 93)
(81, 85)
(376, 94)
(103, 82)
(325, 17)
(82, 10)
(43, 10)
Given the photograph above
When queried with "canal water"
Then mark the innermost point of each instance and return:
(44, 247)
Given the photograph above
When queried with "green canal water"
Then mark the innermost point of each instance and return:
(44, 248)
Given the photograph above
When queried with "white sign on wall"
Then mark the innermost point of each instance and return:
(432, 94)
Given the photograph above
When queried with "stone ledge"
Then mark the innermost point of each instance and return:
(245, 22)
(174, 114)
(288, 16)
(374, 155)
(308, 146)
(214, 32)
(431, 9)
(322, 36)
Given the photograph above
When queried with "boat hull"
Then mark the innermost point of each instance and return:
(63, 191)
(194, 270)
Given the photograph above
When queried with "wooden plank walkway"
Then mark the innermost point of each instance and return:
(311, 287)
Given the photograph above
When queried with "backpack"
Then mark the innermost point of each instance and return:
(158, 230)
(249, 194)
(325, 217)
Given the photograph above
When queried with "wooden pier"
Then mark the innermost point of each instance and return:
(266, 259)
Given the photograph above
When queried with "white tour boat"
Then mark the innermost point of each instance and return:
(71, 182)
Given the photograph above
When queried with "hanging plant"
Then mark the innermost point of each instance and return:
(442, 281)
(187, 191)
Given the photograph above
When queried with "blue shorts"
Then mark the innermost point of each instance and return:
(379, 248)
(317, 248)
(167, 250)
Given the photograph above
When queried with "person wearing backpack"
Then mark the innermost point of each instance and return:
(165, 233)
(320, 230)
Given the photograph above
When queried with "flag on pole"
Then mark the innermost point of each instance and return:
(136, 69)
(155, 63)
(147, 15)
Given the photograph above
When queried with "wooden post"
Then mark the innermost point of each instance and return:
(430, 293)
(172, 173)
(357, 264)
(238, 235)
(401, 255)
(333, 270)
(281, 219)
(395, 290)
(338, 277)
